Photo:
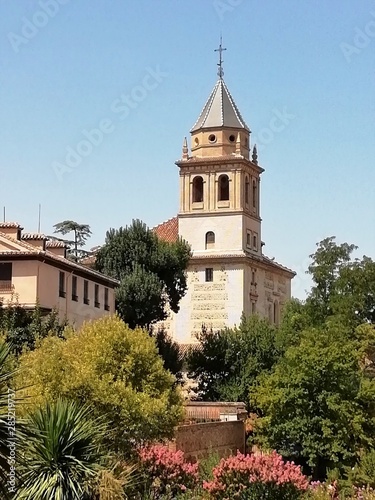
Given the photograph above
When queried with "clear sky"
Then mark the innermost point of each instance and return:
(141, 72)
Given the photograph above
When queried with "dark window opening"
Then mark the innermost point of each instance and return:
(255, 242)
(197, 189)
(247, 189)
(97, 303)
(254, 194)
(106, 303)
(223, 188)
(232, 138)
(209, 274)
(86, 292)
(253, 278)
(5, 276)
(62, 292)
(74, 289)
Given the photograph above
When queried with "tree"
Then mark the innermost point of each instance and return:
(170, 352)
(151, 273)
(113, 368)
(318, 404)
(227, 363)
(22, 328)
(62, 457)
(342, 286)
(81, 233)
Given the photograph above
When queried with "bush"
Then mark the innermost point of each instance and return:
(166, 472)
(257, 477)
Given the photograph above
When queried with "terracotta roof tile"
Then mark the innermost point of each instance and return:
(9, 225)
(167, 231)
(55, 244)
(33, 236)
(28, 249)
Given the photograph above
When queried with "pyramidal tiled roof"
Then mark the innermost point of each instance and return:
(220, 110)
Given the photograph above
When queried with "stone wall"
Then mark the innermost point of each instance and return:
(199, 440)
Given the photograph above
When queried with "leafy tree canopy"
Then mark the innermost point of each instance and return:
(151, 272)
(81, 232)
(113, 368)
(342, 285)
(22, 328)
(319, 402)
(228, 362)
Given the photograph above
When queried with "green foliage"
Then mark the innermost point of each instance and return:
(170, 352)
(364, 471)
(81, 232)
(228, 362)
(23, 328)
(318, 404)
(63, 457)
(342, 286)
(152, 272)
(114, 368)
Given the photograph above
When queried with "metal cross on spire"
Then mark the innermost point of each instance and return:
(220, 71)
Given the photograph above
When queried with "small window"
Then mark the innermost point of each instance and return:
(247, 188)
(209, 274)
(248, 239)
(253, 308)
(5, 276)
(223, 188)
(97, 303)
(74, 289)
(275, 313)
(86, 292)
(210, 239)
(197, 189)
(232, 138)
(62, 292)
(212, 138)
(253, 280)
(106, 300)
(254, 194)
(255, 242)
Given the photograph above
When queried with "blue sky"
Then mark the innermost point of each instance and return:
(69, 67)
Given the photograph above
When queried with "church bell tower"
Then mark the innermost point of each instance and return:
(219, 182)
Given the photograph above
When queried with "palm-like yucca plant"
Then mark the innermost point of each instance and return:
(63, 457)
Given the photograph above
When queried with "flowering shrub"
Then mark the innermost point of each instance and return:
(167, 472)
(257, 477)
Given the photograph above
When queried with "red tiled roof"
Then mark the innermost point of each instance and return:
(30, 250)
(33, 236)
(55, 244)
(10, 225)
(167, 231)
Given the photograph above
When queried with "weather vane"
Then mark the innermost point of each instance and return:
(220, 71)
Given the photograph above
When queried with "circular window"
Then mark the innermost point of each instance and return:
(196, 141)
(232, 138)
(212, 138)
